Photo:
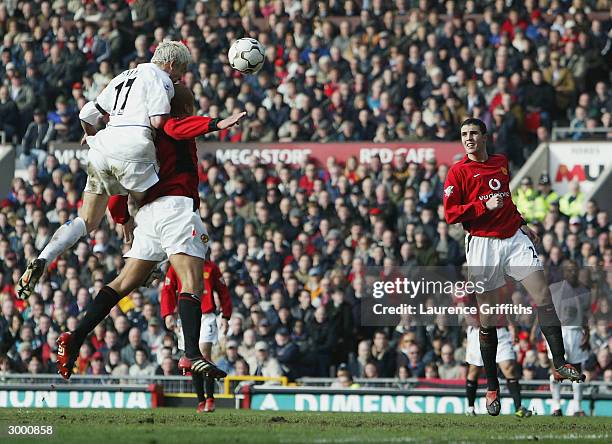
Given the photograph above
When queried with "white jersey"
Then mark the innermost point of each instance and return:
(130, 99)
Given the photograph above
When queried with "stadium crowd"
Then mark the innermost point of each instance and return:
(293, 243)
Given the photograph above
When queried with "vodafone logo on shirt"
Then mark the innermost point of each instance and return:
(489, 196)
(495, 185)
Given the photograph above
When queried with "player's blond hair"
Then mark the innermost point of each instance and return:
(172, 51)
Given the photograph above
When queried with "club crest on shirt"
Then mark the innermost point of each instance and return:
(204, 238)
(448, 190)
(206, 275)
(504, 171)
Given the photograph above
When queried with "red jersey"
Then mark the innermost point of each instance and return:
(467, 188)
(212, 282)
(178, 159)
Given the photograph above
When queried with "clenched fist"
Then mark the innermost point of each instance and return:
(495, 202)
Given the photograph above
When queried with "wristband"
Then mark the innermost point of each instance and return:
(213, 125)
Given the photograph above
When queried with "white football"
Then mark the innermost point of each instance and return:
(246, 55)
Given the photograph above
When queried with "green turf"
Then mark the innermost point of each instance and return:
(168, 425)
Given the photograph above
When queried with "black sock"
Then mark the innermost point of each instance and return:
(191, 318)
(198, 384)
(551, 329)
(210, 387)
(515, 391)
(488, 350)
(470, 391)
(97, 310)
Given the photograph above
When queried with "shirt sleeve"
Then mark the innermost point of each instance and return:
(455, 210)
(89, 113)
(168, 293)
(189, 127)
(106, 99)
(159, 93)
(224, 295)
(118, 207)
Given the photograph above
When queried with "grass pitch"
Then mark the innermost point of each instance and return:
(169, 425)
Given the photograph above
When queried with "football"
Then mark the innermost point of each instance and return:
(246, 55)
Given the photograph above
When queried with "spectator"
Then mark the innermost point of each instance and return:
(227, 363)
(263, 364)
(9, 114)
(153, 336)
(572, 203)
(449, 368)
(142, 366)
(287, 353)
(321, 331)
(97, 365)
(35, 142)
(128, 352)
(561, 80)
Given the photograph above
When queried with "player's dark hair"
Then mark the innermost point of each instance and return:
(474, 121)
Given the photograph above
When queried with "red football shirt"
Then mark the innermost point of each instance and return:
(212, 281)
(467, 188)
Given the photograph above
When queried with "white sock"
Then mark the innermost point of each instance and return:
(555, 389)
(577, 389)
(65, 237)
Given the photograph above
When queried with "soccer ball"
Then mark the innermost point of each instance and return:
(246, 55)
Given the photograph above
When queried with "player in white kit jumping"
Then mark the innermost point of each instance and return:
(122, 157)
(572, 302)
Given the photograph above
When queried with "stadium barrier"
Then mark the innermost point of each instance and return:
(416, 396)
(106, 391)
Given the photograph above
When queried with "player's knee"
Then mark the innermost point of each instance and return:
(91, 222)
(508, 371)
(488, 335)
(118, 284)
(487, 322)
(472, 373)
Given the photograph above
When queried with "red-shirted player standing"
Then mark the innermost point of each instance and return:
(477, 194)
(167, 226)
(213, 282)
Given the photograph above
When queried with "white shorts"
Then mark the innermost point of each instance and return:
(209, 332)
(572, 338)
(168, 226)
(489, 259)
(505, 351)
(106, 175)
